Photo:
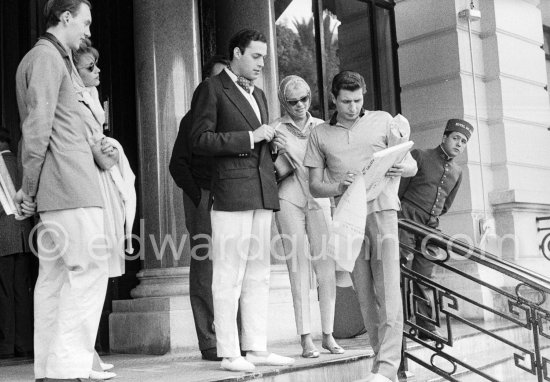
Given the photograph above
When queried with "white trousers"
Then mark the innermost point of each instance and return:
(69, 292)
(241, 270)
(299, 224)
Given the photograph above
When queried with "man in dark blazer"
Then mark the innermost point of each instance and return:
(16, 281)
(229, 116)
(193, 175)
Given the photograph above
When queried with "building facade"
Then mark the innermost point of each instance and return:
(419, 58)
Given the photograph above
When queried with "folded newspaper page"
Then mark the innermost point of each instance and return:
(375, 172)
(7, 191)
(348, 226)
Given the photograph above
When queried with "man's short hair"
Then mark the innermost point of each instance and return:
(217, 59)
(54, 8)
(347, 80)
(242, 39)
(4, 135)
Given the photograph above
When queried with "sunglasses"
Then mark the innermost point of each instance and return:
(90, 67)
(294, 102)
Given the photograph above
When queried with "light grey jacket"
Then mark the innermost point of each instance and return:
(58, 166)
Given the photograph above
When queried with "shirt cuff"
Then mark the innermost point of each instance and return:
(251, 140)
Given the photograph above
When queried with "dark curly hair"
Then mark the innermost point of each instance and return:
(347, 80)
(242, 39)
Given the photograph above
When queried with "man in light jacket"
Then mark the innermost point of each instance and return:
(60, 175)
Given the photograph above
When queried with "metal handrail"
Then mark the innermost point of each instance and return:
(466, 250)
(528, 314)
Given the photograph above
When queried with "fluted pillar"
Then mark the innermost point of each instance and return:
(167, 66)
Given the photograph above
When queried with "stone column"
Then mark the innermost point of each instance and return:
(518, 118)
(436, 82)
(167, 60)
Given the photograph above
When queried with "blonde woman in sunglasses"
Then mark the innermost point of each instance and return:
(301, 216)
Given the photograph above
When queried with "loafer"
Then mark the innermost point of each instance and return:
(25, 354)
(106, 366)
(210, 355)
(270, 360)
(375, 377)
(238, 364)
(101, 375)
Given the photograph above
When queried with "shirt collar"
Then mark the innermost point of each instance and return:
(443, 154)
(334, 120)
(5, 151)
(288, 120)
(57, 44)
(51, 38)
(233, 77)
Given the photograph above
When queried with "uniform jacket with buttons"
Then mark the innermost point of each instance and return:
(436, 183)
(243, 178)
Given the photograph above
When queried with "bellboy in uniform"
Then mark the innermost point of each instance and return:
(428, 195)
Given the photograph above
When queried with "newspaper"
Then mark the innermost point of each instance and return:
(348, 226)
(374, 173)
(7, 191)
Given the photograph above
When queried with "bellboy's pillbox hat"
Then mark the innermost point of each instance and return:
(459, 125)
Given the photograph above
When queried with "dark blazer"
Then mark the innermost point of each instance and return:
(180, 162)
(243, 178)
(14, 234)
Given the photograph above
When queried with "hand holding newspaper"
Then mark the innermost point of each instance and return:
(348, 227)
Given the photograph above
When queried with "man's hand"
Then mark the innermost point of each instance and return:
(346, 182)
(263, 133)
(108, 148)
(25, 205)
(395, 170)
(280, 141)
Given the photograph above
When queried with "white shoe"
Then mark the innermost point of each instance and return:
(101, 375)
(106, 366)
(271, 360)
(378, 378)
(238, 364)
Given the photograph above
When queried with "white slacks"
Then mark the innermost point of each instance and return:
(69, 292)
(300, 224)
(241, 270)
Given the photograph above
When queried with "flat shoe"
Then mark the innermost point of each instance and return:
(239, 364)
(334, 349)
(101, 375)
(311, 353)
(106, 366)
(271, 360)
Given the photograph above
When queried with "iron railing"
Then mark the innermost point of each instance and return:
(494, 316)
(544, 245)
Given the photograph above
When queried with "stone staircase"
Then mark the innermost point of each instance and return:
(485, 353)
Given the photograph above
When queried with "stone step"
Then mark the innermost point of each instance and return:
(354, 364)
(487, 354)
